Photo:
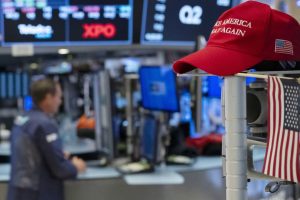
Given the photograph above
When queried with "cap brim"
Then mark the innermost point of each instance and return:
(217, 61)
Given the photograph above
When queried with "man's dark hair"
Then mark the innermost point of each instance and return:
(40, 88)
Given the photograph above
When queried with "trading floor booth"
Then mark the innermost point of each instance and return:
(201, 180)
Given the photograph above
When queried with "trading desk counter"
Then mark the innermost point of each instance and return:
(89, 174)
(4, 149)
(80, 146)
(203, 180)
(201, 163)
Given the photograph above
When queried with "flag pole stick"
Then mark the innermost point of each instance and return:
(261, 76)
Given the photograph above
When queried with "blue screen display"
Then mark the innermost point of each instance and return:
(211, 86)
(211, 119)
(158, 87)
(28, 103)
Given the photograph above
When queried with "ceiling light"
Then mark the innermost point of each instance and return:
(63, 51)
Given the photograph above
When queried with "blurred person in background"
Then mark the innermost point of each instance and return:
(38, 164)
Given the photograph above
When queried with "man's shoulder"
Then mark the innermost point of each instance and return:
(41, 119)
(37, 116)
(34, 118)
(20, 120)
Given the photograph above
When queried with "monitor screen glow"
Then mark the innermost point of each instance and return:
(175, 22)
(61, 23)
(158, 89)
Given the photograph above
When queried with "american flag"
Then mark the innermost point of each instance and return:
(282, 154)
(284, 46)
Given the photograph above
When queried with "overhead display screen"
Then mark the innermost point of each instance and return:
(66, 22)
(179, 22)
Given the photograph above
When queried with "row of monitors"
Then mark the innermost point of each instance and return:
(14, 85)
(159, 93)
(158, 87)
(103, 22)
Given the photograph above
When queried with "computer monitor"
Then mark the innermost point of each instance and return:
(158, 88)
(211, 118)
(28, 103)
(211, 85)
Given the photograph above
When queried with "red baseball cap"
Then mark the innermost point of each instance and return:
(244, 36)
